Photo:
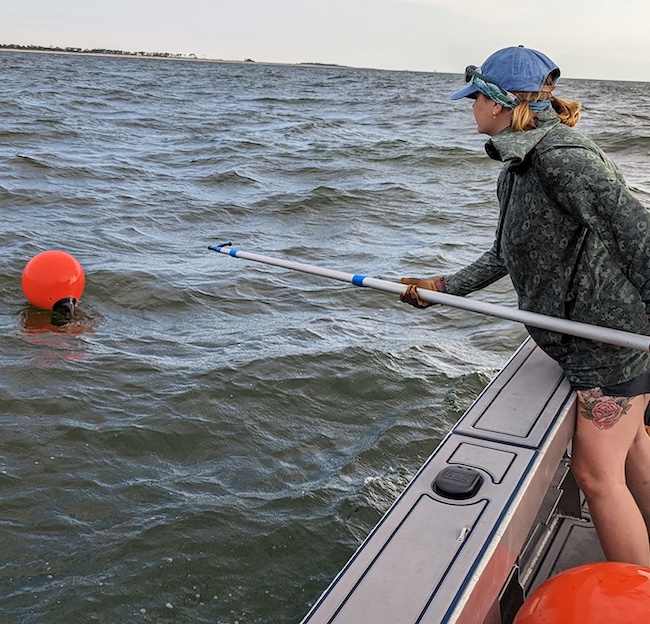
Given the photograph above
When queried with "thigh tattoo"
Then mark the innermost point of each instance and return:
(603, 411)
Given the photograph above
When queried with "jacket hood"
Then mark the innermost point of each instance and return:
(512, 147)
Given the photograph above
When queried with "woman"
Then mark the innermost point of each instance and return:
(576, 244)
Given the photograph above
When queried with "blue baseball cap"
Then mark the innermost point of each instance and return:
(512, 69)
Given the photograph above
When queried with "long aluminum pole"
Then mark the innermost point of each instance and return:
(533, 319)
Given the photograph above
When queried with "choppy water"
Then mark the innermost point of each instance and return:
(212, 439)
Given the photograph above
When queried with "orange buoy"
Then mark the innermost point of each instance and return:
(598, 593)
(53, 277)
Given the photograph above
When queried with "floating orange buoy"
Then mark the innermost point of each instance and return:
(597, 593)
(53, 280)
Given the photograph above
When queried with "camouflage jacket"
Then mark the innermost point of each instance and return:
(576, 244)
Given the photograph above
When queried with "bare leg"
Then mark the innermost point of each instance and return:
(637, 470)
(606, 431)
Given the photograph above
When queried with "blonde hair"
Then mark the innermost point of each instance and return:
(523, 118)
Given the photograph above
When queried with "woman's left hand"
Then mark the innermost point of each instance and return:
(410, 295)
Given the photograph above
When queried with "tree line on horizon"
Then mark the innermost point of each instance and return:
(74, 50)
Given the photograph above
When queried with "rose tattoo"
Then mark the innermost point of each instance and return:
(603, 411)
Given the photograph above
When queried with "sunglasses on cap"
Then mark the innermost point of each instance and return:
(489, 88)
(472, 71)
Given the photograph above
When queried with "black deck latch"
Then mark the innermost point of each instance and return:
(457, 482)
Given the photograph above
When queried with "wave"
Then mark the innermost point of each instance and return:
(228, 178)
(617, 142)
(31, 161)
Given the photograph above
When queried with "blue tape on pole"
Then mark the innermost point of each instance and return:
(233, 252)
(357, 280)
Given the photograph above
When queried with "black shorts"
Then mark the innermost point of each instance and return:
(631, 388)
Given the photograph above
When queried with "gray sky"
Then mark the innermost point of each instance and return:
(605, 39)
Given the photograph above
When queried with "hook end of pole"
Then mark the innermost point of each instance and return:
(218, 248)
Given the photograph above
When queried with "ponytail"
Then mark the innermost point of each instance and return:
(568, 111)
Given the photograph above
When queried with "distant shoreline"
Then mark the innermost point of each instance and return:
(149, 55)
